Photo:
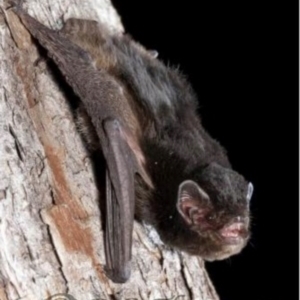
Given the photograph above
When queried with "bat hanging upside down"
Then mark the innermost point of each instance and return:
(162, 166)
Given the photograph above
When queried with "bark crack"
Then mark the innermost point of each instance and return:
(27, 245)
(3, 194)
(141, 272)
(18, 146)
(186, 283)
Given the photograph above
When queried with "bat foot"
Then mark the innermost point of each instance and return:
(39, 61)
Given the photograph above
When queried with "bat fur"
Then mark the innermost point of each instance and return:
(188, 191)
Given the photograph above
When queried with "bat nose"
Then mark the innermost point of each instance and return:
(241, 219)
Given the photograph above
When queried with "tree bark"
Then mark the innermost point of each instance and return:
(50, 229)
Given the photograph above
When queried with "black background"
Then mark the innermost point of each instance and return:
(242, 59)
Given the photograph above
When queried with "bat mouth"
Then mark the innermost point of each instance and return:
(234, 233)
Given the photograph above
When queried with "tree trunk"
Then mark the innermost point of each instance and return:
(50, 229)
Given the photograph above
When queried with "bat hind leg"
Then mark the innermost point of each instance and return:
(86, 129)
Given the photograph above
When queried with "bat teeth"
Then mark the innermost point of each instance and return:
(234, 232)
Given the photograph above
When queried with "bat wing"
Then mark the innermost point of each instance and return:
(119, 203)
(100, 95)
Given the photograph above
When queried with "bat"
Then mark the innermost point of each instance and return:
(162, 167)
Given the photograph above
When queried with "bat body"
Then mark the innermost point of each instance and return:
(162, 166)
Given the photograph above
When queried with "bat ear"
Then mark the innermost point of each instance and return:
(192, 202)
(249, 192)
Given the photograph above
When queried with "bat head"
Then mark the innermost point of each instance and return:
(215, 206)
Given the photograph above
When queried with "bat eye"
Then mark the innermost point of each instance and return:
(211, 217)
(249, 192)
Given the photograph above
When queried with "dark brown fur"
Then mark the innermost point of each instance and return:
(179, 145)
(187, 189)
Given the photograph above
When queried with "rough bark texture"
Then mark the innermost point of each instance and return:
(50, 230)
